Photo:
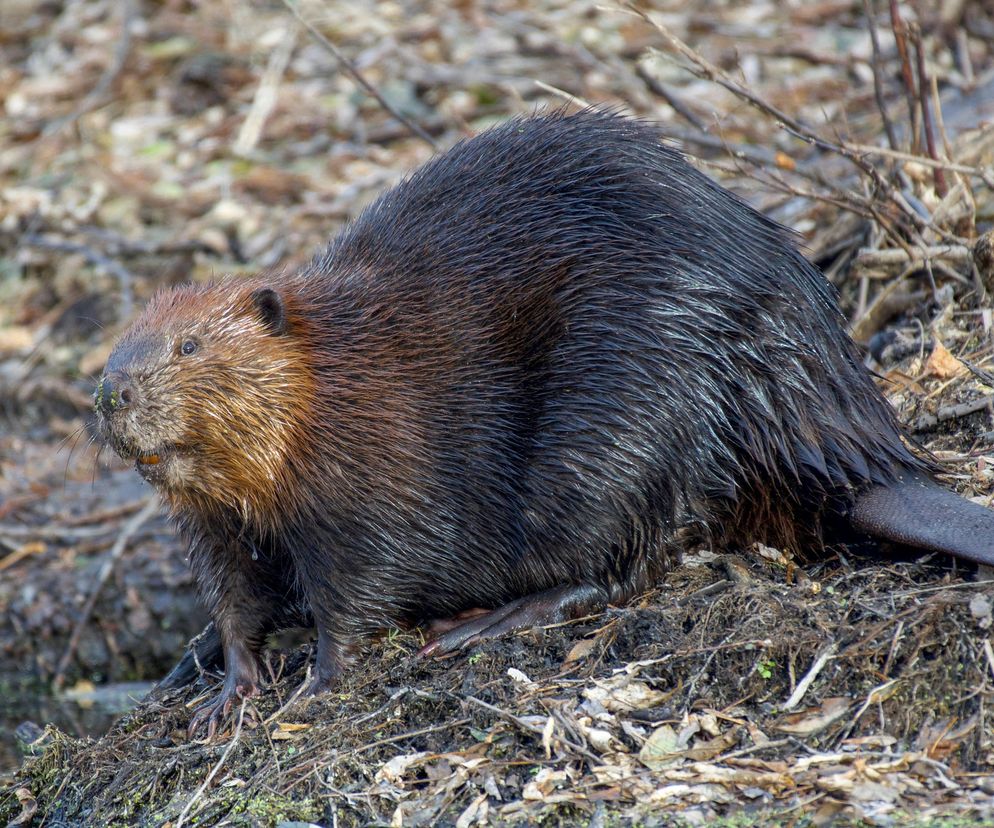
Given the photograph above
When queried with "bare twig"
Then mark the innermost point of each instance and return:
(115, 244)
(96, 95)
(569, 97)
(894, 644)
(904, 593)
(963, 58)
(901, 40)
(105, 515)
(127, 532)
(214, 771)
(19, 553)
(875, 696)
(296, 694)
(878, 91)
(989, 653)
(748, 751)
(265, 95)
(357, 76)
(941, 187)
(984, 376)
(70, 533)
(823, 658)
(678, 106)
(530, 728)
(703, 68)
(958, 253)
(400, 737)
(867, 149)
(94, 257)
(952, 412)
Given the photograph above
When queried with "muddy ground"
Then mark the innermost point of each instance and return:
(148, 143)
(669, 710)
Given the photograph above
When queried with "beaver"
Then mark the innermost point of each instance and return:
(522, 381)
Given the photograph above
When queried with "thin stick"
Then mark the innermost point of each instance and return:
(824, 657)
(296, 694)
(951, 252)
(19, 553)
(941, 187)
(703, 68)
(95, 97)
(265, 94)
(989, 652)
(70, 533)
(878, 83)
(94, 257)
(952, 412)
(534, 729)
(868, 149)
(105, 515)
(658, 88)
(129, 530)
(220, 763)
(569, 97)
(746, 751)
(901, 40)
(346, 64)
(400, 737)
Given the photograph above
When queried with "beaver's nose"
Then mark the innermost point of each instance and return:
(114, 392)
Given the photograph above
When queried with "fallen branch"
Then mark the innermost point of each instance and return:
(878, 83)
(214, 771)
(94, 257)
(700, 67)
(70, 533)
(129, 530)
(824, 657)
(959, 253)
(96, 95)
(938, 176)
(265, 95)
(357, 76)
(953, 412)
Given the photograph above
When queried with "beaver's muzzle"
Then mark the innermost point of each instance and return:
(114, 393)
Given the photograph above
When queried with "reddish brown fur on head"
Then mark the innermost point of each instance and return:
(207, 391)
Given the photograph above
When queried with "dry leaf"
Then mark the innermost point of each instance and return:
(543, 784)
(785, 162)
(942, 364)
(394, 769)
(703, 751)
(15, 339)
(815, 719)
(662, 748)
(519, 677)
(291, 727)
(29, 806)
(475, 812)
(285, 731)
(583, 648)
(623, 694)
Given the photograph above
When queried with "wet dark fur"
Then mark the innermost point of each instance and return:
(556, 354)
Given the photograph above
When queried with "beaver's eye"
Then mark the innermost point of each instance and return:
(188, 347)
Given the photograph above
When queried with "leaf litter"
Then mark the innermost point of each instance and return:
(143, 146)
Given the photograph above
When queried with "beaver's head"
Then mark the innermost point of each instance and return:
(204, 391)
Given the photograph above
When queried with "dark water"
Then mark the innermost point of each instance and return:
(80, 711)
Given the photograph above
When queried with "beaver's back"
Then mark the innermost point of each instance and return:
(558, 351)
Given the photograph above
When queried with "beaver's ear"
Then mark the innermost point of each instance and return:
(272, 311)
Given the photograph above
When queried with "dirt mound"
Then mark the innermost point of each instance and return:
(862, 689)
